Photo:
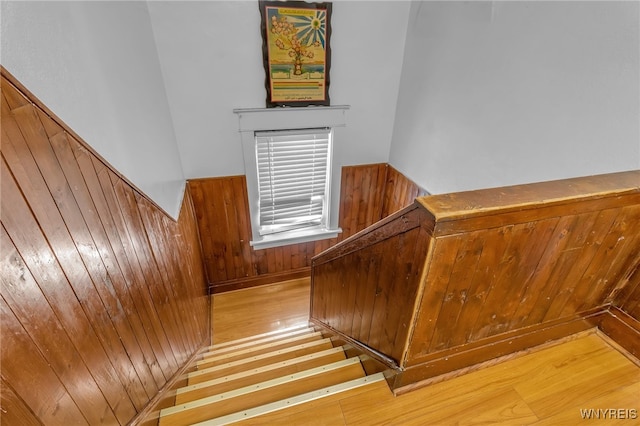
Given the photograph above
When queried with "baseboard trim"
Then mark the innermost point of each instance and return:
(264, 279)
(150, 415)
(460, 372)
(623, 329)
(492, 350)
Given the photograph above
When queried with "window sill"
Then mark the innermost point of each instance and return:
(294, 237)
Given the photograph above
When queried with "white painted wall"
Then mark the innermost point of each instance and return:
(95, 65)
(211, 58)
(498, 93)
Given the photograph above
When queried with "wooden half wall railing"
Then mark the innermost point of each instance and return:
(459, 279)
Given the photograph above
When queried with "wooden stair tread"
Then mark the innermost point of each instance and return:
(256, 375)
(258, 339)
(340, 390)
(236, 366)
(210, 360)
(266, 392)
(259, 336)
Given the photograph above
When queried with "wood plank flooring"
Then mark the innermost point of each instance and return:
(557, 385)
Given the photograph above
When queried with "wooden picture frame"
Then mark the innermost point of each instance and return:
(296, 52)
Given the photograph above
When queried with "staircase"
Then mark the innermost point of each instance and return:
(250, 377)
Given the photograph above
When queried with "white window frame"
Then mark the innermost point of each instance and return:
(284, 119)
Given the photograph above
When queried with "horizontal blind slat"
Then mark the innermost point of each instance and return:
(292, 178)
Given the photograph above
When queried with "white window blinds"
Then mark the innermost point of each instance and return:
(293, 178)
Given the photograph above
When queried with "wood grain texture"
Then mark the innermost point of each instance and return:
(365, 287)
(533, 269)
(368, 193)
(628, 297)
(498, 265)
(558, 379)
(103, 294)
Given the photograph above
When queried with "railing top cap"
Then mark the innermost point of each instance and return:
(521, 197)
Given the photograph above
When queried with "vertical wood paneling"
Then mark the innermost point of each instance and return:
(14, 410)
(629, 299)
(367, 194)
(368, 288)
(510, 265)
(103, 295)
(399, 192)
(520, 270)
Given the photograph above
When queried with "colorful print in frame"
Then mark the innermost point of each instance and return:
(296, 52)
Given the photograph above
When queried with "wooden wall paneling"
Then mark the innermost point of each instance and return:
(361, 193)
(355, 296)
(530, 244)
(515, 278)
(190, 299)
(438, 275)
(204, 232)
(117, 297)
(14, 410)
(395, 302)
(33, 186)
(126, 284)
(155, 230)
(544, 261)
(628, 300)
(25, 235)
(140, 292)
(570, 297)
(535, 300)
(23, 294)
(399, 192)
(623, 266)
(220, 232)
(240, 202)
(113, 292)
(233, 262)
(613, 257)
(105, 307)
(36, 383)
(221, 206)
(189, 263)
(458, 292)
(128, 205)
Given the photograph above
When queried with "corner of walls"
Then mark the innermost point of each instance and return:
(487, 100)
(106, 84)
(104, 297)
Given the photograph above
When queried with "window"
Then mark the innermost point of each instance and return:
(288, 166)
(294, 179)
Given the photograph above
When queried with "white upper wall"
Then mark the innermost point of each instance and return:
(211, 58)
(95, 65)
(499, 93)
(489, 93)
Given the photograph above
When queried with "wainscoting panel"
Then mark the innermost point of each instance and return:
(103, 294)
(368, 193)
(463, 278)
(629, 298)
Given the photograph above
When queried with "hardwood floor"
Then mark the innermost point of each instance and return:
(241, 313)
(556, 385)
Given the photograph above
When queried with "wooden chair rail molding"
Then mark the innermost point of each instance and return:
(458, 279)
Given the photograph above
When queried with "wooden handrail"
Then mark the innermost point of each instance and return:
(464, 271)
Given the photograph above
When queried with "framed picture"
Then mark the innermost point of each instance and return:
(296, 52)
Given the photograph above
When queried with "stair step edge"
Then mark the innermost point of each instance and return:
(214, 350)
(258, 370)
(246, 350)
(293, 401)
(258, 357)
(289, 378)
(260, 336)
